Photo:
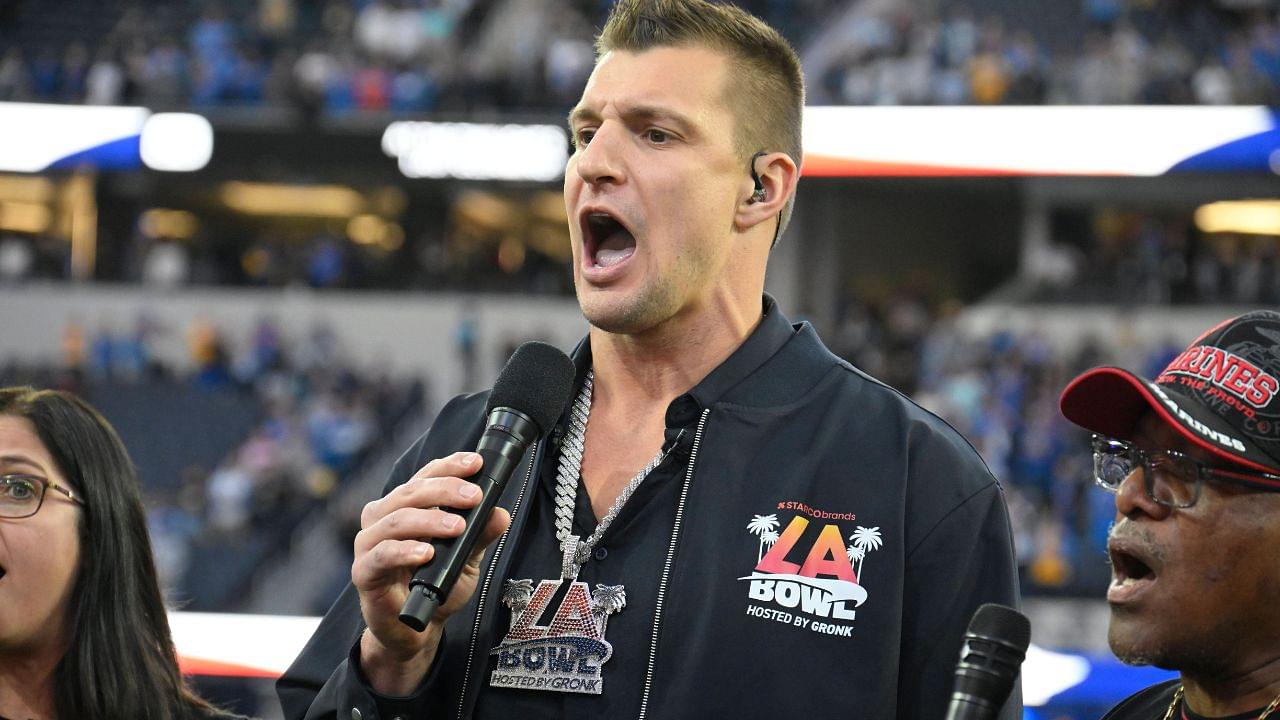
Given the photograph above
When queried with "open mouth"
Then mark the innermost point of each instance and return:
(607, 242)
(1131, 571)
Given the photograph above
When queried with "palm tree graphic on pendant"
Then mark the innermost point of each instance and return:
(864, 540)
(605, 601)
(766, 528)
(516, 595)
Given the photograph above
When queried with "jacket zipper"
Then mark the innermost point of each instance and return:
(484, 589)
(666, 566)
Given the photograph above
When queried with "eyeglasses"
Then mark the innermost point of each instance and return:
(22, 495)
(1171, 478)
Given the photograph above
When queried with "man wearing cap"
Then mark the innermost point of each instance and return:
(1193, 458)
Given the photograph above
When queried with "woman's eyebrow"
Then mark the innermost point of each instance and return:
(7, 460)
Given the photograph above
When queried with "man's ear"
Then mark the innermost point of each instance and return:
(770, 182)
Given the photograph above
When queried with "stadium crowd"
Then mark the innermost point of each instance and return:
(1111, 255)
(310, 419)
(1100, 52)
(1001, 392)
(408, 56)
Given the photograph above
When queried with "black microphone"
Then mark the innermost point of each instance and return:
(531, 393)
(990, 660)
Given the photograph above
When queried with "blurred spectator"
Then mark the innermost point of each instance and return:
(412, 91)
(208, 356)
(390, 30)
(1211, 84)
(276, 21)
(174, 523)
(15, 78)
(45, 75)
(74, 73)
(163, 75)
(16, 258)
(104, 82)
(166, 264)
(569, 59)
(372, 88)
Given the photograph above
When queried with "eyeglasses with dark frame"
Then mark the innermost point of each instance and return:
(21, 496)
(1171, 478)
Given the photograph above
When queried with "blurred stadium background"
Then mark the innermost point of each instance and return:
(268, 238)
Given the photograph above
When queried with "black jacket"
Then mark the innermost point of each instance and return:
(805, 435)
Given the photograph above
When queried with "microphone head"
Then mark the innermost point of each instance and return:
(997, 621)
(536, 381)
(991, 658)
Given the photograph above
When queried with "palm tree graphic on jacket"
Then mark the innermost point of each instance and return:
(766, 528)
(864, 540)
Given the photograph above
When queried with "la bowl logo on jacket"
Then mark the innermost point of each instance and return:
(820, 592)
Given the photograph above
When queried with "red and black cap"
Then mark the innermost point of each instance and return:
(1222, 393)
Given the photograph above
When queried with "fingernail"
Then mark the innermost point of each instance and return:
(451, 523)
(473, 459)
(469, 491)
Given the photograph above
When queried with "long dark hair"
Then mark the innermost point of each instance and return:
(120, 663)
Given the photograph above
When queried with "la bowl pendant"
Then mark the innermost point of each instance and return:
(565, 656)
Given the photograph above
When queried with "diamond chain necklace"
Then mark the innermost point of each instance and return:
(576, 551)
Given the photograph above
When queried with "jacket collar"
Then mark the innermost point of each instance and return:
(769, 336)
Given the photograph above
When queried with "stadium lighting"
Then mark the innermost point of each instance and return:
(25, 188)
(332, 201)
(24, 217)
(176, 142)
(164, 223)
(40, 137)
(1249, 217)
(476, 151)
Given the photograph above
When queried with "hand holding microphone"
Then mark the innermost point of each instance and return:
(417, 556)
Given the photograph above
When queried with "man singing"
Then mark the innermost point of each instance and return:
(1194, 461)
(730, 521)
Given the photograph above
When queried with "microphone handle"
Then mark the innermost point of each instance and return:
(970, 707)
(501, 449)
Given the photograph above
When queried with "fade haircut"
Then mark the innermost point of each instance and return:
(765, 90)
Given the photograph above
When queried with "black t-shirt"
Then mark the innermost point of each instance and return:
(631, 552)
(1153, 703)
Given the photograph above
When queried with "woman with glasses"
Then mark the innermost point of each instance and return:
(83, 630)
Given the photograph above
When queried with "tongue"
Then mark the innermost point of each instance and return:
(615, 248)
